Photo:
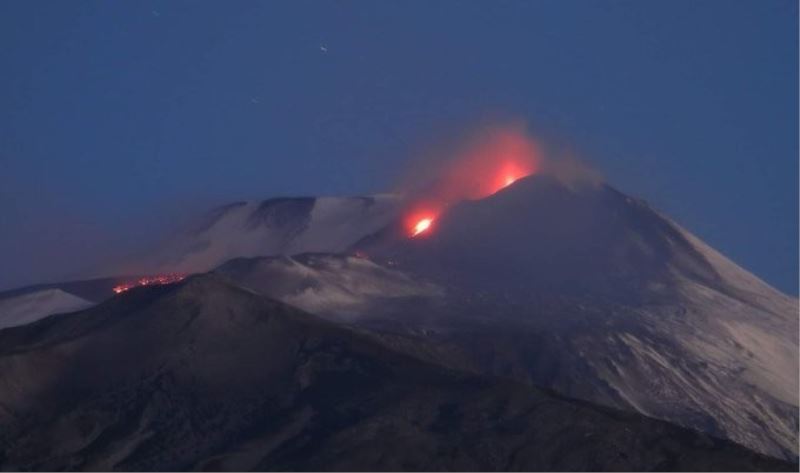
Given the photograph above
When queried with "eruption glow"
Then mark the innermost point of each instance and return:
(421, 226)
(149, 281)
(482, 167)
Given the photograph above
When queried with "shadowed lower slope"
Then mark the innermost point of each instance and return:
(203, 375)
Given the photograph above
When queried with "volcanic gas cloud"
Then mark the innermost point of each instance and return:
(483, 166)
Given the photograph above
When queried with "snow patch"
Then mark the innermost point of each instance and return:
(328, 285)
(277, 227)
(30, 307)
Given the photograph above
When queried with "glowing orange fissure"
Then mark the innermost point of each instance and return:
(149, 281)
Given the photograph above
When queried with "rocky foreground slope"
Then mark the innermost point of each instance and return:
(205, 375)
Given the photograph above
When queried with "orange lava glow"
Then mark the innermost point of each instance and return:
(149, 281)
(484, 166)
(419, 220)
(422, 226)
(488, 165)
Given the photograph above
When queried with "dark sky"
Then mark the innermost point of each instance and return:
(117, 117)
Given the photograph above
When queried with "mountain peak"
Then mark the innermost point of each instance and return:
(552, 236)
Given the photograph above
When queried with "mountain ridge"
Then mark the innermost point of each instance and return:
(314, 402)
(576, 288)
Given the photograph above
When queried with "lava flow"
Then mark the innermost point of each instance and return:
(149, 281)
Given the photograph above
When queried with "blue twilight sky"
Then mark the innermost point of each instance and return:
(117, 117)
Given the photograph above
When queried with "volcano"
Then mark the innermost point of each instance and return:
(581, 289)
(552, 324)
(595, 294)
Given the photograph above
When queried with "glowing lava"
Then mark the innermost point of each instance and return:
(484, 165)
(421, 226)
(149, 281)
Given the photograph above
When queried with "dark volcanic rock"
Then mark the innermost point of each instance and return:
(203, 375)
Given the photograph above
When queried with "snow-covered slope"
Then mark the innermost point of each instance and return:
(281, 226)
(744, 284)
(30, 307)
(579, 288)
(705, 359)
(343, 287)
(597, 295)
(203, 376)
(685, 351)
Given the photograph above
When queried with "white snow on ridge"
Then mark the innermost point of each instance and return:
(748, 283)
(727, 350)
(327, 285)
(336, 223)
(30, 307)
(346, 287)
(278, 227)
